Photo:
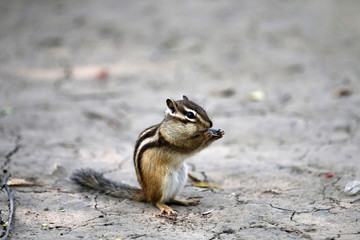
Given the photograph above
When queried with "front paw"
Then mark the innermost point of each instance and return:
(216, 133)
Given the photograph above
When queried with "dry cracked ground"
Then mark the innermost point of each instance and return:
(79, 80)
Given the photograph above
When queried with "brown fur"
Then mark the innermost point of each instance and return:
(159, 152)
(152, 182)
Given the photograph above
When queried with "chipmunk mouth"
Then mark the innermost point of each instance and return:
(203, 131)
(199, 133)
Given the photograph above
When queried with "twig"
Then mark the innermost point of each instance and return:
(11, 199)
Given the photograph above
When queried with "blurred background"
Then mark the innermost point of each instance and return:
(79, 80)
(108, 67)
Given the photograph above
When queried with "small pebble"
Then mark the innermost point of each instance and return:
(228, 230)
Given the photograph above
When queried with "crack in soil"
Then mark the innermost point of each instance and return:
(96, 206)
(357, 233)
(300, 212)
(290, 210)
(304, 155)
(282, 229)
(8, 156)
(327, 186)
(45, 190)
(354, 201)
(118, 166)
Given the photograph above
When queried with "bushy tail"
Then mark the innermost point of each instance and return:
(95, 180)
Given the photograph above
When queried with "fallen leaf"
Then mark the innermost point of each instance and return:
(342, 92)
(44, 224)
(227, 92)
(5, 224)
(21, 182)
(329, 175)
(205, 185)
(8, 110)
(256, 96)
(193, 178)
(102, 75)
(198, 183)
(271, 191)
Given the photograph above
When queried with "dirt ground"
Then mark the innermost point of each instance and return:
(79, 80)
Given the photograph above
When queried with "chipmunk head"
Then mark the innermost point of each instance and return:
(187, 116)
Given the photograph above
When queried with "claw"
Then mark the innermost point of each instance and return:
(170, 214)
(217, 133)
(166, 211)
(194, 202)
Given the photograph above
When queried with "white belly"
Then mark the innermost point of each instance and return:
(174, 182)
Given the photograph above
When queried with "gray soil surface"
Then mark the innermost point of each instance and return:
(79, 80)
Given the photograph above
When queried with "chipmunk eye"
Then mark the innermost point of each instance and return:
(190, 115)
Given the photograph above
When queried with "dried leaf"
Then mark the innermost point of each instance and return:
(271, 191)
(193, 178)
(198, 183)
(5, 224)
(256, 96)
(44, 224)
(205, 185)
(102, 75)
(227, 92)
(8, 110)
(342, 92)
(20, 182)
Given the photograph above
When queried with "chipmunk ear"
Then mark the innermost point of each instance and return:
(172, 105)
(185, 98)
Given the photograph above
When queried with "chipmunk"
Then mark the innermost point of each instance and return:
(159, 155)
